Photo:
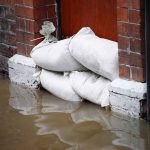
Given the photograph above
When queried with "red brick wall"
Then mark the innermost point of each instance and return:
(20, 22)
(130, 22)
(7, 32)
(30, 16)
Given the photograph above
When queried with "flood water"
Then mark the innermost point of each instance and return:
(36, 120)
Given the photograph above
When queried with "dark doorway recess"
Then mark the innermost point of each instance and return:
(100, 15)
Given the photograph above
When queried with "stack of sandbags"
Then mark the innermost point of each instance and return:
(78, 55)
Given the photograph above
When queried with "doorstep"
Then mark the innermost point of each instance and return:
(21, 71)
(125, 96)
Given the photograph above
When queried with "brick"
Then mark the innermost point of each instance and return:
(37, 3)
(136, 60)
(51, 11)
(135, 31)
(30, 27)
(10, 14)
(2, 11)
(137, 45)
(137, 4)
(32, 13)
(43, 2)
(124, 71)
(24, 49)
(123, 3)
(26, 12)
(28, 50)
(138, 74)
(1, 36)
(20, 24)
(123, 28)
(21, 48)
(4, 50)
(123, 42)
(37, 25)
(135, 16)
(19, 2)
(124, 58)
(7, 50)
(7, 2)
(24, 37)
(7, 38)
(12, 28)
(122, 14)
(4, 24)
(40, 13)
(11, 40)
(29, 2)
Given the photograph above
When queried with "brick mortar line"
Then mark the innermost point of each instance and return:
(130, 51)
(25, 31)
(131, 8)
(8, 45)
(130, 66)
(28, 19)
(8, 32)
(34, 7)
(24, 44)
(132, 23)
(142, 38)
(129, 37)
(10, 20)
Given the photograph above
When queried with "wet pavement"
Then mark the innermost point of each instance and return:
(37, 120)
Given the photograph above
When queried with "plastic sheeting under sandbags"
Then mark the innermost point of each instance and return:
(59, 85)
(91, 87)
(97, 54)
(55, 56)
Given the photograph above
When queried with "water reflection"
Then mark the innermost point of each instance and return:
(73, 125)
(24, 99)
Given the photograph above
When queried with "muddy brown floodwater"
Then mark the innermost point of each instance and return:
(36, 120)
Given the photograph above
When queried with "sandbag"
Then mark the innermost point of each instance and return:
(97, 54)
(91, 87)
(59, 85)
(55, 56)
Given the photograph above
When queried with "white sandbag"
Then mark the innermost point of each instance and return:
(55, 56)
(91, 87)
(59, 85)
(97, 54)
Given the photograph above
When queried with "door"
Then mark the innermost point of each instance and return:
(100, 15)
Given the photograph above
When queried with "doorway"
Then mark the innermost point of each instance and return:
(99, 15)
